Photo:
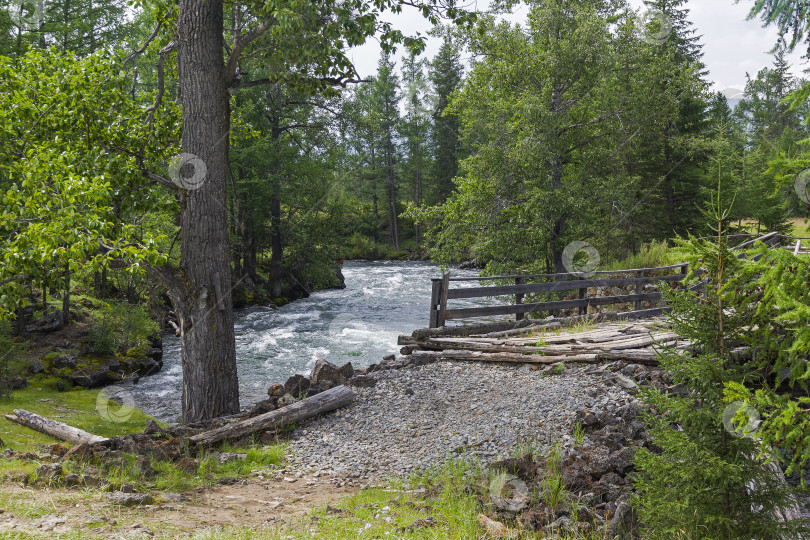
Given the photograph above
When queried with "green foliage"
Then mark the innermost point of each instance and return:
(550, 120)
(699, 484)
(553, 487)
(775, 287)
(121, 327)
(64, 192)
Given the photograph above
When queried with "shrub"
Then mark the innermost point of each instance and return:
(120, 327)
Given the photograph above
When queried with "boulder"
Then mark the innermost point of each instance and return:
(140, 366)
(35, 366)
(286, 399)
(276, 390)
(95, 376)
(346, 370)
(327, 375)
(262, 407)
(297, 386)
(576, 475)
(622, 460)
(64, 361)
(155, 354)
(18, 383)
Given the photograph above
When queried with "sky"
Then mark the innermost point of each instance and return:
(732, 45)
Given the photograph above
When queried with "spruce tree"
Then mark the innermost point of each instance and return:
(445, 74)
(707, 479)
(678, 168)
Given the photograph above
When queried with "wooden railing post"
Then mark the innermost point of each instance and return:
(445, 288)
(639, 290)
(582, 294)
(435, 301)
(518, 299)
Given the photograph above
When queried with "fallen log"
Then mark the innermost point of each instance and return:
(477, 356)
(331, 399)
(519, 331)
(647, 357)
(453, 345)
(53, 428)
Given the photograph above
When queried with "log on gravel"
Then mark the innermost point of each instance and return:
(647, 357)
(53, 428)
(467, 345)
(331, 399)
(477, 356)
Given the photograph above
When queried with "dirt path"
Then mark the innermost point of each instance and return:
(271, 505)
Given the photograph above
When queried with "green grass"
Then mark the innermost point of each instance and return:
(656, 253)
(76, 407)
(801, 227)
(24, 508)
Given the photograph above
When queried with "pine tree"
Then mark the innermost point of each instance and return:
(415, 128)
(386, 85)
(677, 168)
(446, 75)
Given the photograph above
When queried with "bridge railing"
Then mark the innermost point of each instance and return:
(635, 278)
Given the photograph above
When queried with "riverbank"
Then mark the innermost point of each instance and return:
(427, 437)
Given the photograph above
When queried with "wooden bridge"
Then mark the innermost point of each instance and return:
(637, 302)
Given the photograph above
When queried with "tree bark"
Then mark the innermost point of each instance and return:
(203, 301)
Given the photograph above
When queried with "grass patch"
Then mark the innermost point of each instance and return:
(24, 508)
(656, 253)
(76, 407)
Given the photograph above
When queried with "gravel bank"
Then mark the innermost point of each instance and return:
(415, 417)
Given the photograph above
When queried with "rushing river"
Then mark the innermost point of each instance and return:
(358, 324)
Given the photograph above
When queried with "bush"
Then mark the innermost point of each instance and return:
(120, 327)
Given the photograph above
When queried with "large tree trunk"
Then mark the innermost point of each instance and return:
(210, 386)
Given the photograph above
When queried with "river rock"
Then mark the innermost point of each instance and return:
(286, 399)
(297, 386)
(140, 366)
(327, 375)
(276, 390)
(95, 376)
(262, 407)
